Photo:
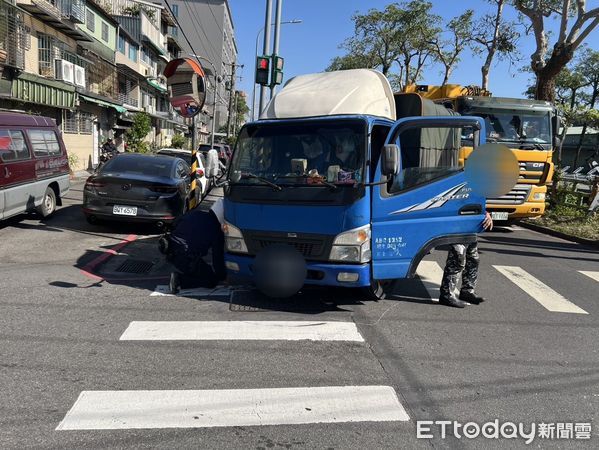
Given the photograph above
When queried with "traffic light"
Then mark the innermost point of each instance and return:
(262, 70)
(277, 70)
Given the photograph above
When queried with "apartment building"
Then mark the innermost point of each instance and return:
(91, 66)
(209, 27)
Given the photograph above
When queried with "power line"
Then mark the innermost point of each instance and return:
(195, 18)
(182, 31)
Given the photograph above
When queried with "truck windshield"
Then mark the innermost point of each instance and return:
(517, 129)
(307, 153)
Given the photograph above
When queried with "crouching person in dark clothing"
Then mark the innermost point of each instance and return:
(195, 234)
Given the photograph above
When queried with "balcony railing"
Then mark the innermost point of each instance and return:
(59, 14)
(128, 100)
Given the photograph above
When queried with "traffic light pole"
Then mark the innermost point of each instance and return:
(265, 51)
(231, 93)
(275, 50)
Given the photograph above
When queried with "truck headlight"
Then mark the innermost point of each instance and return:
(539, 196)
(352, 246)
(234, 239)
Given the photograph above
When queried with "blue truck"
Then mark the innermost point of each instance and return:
(352, 185)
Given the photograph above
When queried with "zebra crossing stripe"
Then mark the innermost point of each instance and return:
(543, 294)
(593, 275)
(430, 273)
(117, 410)
(242, 330)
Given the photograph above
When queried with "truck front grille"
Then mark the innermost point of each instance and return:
(311, 246)
(516, 196)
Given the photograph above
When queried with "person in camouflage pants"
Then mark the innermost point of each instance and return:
(464, 259)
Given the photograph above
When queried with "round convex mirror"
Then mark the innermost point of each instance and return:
(185, 80)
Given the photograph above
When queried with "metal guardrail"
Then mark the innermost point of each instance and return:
(583, 188)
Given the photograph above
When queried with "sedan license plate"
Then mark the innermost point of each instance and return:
(124, 210)
(495, 215)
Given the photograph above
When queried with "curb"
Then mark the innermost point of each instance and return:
(559, 234)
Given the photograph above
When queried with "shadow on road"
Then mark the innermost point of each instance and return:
(534, 243)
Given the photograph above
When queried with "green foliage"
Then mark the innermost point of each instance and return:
(137, 133)
(135, 9)
(73, 160)
(397, 37)
(549, 58)
(178, 141)
(448, 51)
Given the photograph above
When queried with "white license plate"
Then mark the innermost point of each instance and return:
(495, 215)
(124, 210)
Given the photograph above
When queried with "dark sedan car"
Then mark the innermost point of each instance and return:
(137, 187)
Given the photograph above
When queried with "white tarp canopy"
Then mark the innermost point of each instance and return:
(356, 91)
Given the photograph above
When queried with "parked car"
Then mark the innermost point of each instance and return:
(203, 182)
(34, 168)
(223, 154)
(138, 187)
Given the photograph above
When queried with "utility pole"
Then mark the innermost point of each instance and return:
(217, 82)
(275, 50)
(231, 96)
(265, 51)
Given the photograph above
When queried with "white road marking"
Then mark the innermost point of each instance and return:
(547, 297)
(431, 275)
(112, 410)
(593, 275)
(242, 330)
(162, 290)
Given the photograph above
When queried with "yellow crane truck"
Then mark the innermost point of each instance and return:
(528, 127)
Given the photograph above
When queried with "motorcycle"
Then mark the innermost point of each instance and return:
(105, 156)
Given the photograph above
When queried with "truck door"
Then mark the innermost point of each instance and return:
(428, 202)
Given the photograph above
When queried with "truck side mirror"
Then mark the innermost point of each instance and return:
(556, 142)
(212, 164)
(390, 160)
(557, 124)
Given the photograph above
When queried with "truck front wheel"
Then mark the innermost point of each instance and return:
(378, 290)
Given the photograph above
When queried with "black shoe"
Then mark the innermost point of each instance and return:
(471, 297)
(452, 301)
(174, 283)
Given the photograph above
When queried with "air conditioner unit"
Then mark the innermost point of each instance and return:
(80, 76)
(65, 71)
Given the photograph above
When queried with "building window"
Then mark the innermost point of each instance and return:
(176, 10)
(121, 44)
(78, 122)
(45, 50)
(104, 31)
(145, 55)
(91, 21)
(133, 52)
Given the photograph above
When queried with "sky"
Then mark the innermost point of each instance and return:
(309, 46)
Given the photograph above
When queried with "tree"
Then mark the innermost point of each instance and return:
(495, 36)
(399, 35)
(178, 141)
(138, 132)
(577, 93)
(546, 66)
(588, 69)
(447, 51)
(419, 28)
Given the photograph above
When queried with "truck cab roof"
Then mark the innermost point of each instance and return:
(505, 103)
